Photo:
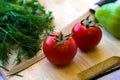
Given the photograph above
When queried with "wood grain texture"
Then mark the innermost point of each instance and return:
(65, 12)
(98, 68)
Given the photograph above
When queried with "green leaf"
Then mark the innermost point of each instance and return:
(24, 24)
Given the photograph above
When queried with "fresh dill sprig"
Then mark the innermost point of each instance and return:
(23, 24)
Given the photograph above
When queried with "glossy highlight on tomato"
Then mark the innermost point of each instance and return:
(59, 49)
(86, 34)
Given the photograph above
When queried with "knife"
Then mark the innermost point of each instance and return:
(30, 62)
(109, 67)
(90, 12)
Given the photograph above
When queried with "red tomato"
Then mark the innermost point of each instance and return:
(87, 35)
(59, 49)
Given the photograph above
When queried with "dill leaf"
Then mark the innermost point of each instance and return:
(24, 24)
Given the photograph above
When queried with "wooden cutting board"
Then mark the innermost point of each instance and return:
(66, 12)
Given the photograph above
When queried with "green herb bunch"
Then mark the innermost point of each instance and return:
(23, 26)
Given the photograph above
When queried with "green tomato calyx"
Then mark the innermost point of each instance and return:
(88, 23)
(61, 38)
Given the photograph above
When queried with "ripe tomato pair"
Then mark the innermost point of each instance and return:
(60, 49)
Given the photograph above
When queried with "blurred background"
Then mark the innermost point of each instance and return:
(66, 11)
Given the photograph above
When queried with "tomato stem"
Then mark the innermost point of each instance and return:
(61, 38)
(88, 23)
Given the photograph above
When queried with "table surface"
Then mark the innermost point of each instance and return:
(64, 12)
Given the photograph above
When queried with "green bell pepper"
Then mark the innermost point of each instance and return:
(109, 17)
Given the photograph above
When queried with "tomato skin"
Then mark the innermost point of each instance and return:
(62, 54)
(86, 37)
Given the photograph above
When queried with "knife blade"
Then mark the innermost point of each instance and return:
(89, 12)
(100, 69)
